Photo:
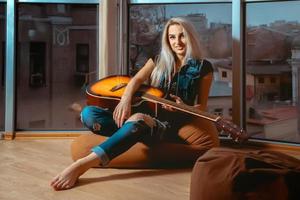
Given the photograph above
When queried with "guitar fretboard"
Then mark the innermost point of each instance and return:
(181, 107)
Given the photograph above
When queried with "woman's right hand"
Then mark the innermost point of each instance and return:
(123, 109)
(122, 112)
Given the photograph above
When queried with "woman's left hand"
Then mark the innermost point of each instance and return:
(177, 99)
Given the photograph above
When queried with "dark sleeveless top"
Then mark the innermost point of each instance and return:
(185, 83)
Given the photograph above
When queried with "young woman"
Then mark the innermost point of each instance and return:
(177, 70)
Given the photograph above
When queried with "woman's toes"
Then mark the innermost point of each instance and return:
(53, 181)
(66, 185)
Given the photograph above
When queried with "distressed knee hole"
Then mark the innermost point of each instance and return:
(140, 116)
(96, 127)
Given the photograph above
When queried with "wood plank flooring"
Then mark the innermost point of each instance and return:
(27, 166)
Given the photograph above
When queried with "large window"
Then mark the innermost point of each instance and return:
(56, 59)
(57, 54)
(2, 64)
(212, 21)
(273, 70)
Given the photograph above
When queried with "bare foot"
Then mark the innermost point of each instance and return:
(69, 176)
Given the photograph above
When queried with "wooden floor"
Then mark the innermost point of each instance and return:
(27, 166)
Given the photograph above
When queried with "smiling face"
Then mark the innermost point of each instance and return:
(177, 40)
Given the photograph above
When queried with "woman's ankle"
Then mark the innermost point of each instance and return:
(91, 160)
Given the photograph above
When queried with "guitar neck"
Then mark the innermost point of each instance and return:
(182, 107)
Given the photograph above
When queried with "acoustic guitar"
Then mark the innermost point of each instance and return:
(108, 91)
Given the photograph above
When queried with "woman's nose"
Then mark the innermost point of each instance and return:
(178, 40)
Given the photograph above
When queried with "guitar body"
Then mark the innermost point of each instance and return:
(107, 92)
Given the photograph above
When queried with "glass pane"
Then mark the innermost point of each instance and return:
(273, 70)
(2, 63)
(213, 22)
(52, 73)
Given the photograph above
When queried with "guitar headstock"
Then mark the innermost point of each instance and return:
(232, 130)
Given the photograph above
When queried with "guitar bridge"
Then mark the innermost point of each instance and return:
(117, 87)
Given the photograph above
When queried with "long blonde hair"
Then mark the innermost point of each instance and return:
(166, 61)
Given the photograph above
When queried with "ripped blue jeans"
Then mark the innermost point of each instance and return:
(100, 121)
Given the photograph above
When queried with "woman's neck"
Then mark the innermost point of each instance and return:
(179, 62)
(180, 58)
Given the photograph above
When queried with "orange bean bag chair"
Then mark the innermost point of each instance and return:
(196, 138)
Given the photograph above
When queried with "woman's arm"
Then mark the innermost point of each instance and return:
(203, 92)
(123, 109)
(142, 75)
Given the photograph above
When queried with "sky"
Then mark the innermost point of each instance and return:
(257, 13)
(264, 13)
(214, 12)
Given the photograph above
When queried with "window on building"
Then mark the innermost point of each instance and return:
(224, 74)
(230, 111)
(82, 58)
(82, 64)
(273, 80)
(261, 80)
(37, 64)
(218, 111)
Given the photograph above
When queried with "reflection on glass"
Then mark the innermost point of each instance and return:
(2, 64)
(273, 63)
(56, 60)
(212, 21)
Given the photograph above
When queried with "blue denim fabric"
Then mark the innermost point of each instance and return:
(185, 83)
(124, 138)
(120, 140)
(92, 115)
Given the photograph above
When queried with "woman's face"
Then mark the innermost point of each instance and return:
(177, 40)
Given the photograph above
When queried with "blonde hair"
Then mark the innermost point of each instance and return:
(166, 61)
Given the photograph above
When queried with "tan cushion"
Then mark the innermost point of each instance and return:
(196, 141)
